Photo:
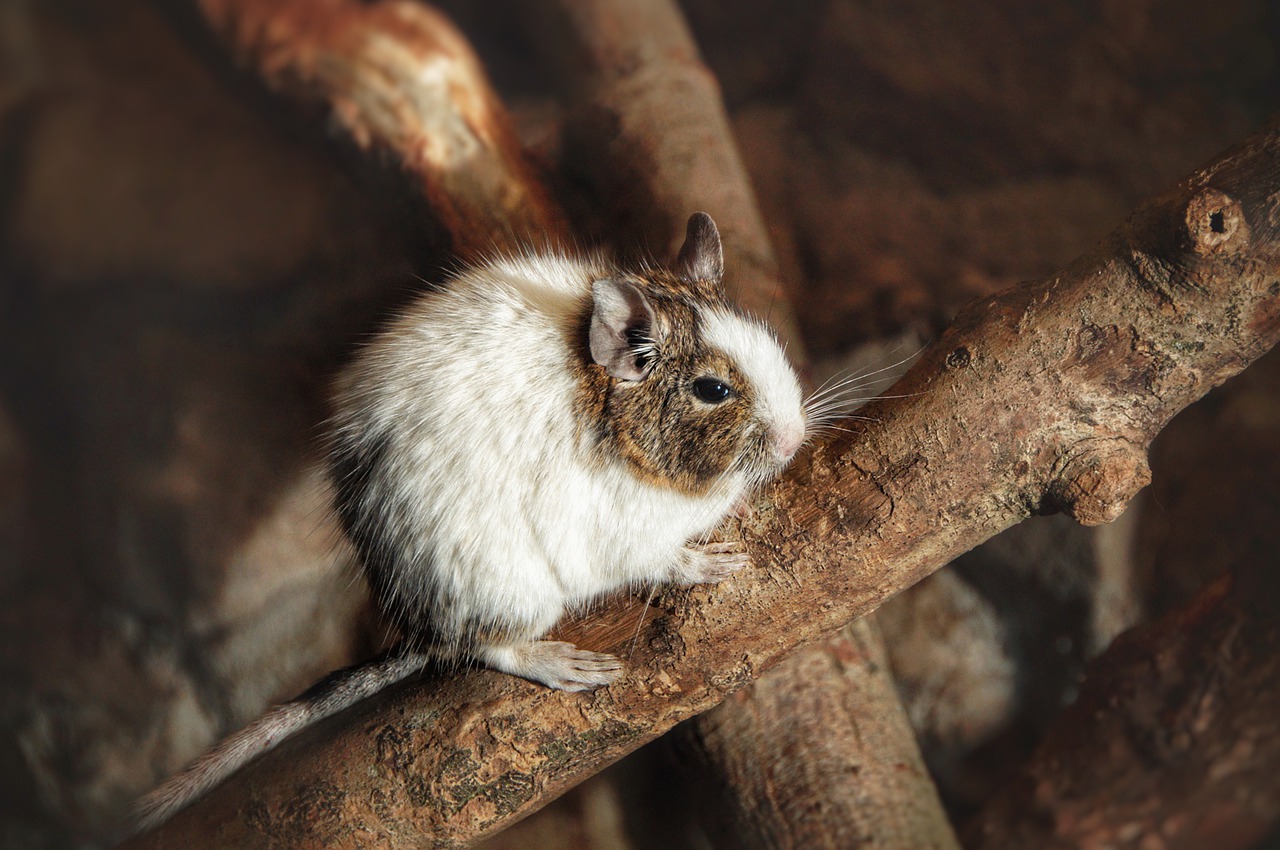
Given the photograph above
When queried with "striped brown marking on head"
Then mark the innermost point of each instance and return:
(658, 424)
(640, 358)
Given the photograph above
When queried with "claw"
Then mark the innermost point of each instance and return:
(710, 563)
(556, 664)
(744, 508)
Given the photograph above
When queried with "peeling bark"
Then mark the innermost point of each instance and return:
(1043, 397)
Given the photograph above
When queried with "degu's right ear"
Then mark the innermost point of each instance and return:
(701, 257)
(622, 321)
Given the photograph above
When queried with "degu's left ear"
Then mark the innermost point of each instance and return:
(701, 257)
(621, 316)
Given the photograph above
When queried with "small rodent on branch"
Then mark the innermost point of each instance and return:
(537, 433)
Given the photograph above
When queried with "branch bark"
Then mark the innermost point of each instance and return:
(1173, 743)
(818, 753)
(400, 80)
(1175, 737)
(1043, 397)
(650, 133)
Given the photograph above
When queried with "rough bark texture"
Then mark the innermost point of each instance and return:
(824, 756)
(1175, 737)
(282, 42)
(144, 210)
(401, 80)
(1044, 397)
(179, 269)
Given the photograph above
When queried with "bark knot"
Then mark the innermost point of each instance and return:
(1096, 482)
(959, 359)
(1214, 223)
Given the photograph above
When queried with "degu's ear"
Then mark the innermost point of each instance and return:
(620, 318)
(701, 257)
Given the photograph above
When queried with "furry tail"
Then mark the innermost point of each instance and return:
(327, 697)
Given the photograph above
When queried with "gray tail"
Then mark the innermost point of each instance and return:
(329, 696)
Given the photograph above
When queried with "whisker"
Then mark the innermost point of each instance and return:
(838, 395)
(848, 403)
(840, 379)
(840, 402)
(844, 388)
(882, 369)
(829, 428)
(910, 356)
(837, 406)
(635, 640)
(848, 384)
(827, 424)
(837, 376)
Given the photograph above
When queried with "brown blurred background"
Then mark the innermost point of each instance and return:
(184, 261)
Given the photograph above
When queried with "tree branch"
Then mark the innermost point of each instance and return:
(650, 133)
(400, 79)
(1174, 739)
(818, 753)
(1173, 742)
(1045, 396)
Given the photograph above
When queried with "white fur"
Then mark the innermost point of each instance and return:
(516, 515)
(502, 503)
(755, 351)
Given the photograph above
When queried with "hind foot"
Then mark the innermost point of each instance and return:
(709, 563)
(554, 663)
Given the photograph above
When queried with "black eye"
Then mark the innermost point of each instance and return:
(711, 390)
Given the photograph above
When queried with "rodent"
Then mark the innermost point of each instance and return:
(539, 432)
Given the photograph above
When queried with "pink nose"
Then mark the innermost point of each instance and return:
(786, 440)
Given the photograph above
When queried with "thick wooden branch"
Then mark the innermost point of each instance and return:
(818, 753)
(400, 80)
(653, 136)
(1174, 741)
(1045, 396)
(650, 133)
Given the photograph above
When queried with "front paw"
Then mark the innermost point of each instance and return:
(710, 563)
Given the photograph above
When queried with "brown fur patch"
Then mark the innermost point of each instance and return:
(657, 425)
